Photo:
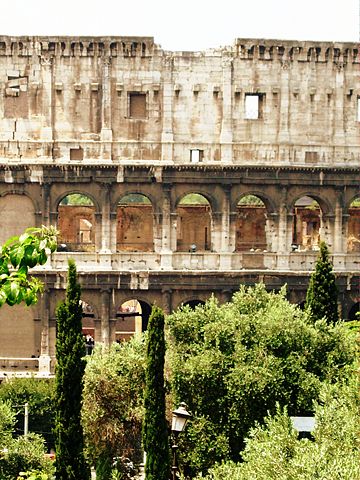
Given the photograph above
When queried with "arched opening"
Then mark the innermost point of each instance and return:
(353, 239)
(193, 223)
(354, 313)
(135, 224)
(251, 224)
(302, 304)
(306, 224)
(76, 223)
(193, 303)
(131, 317)
(88, 326)
(17, 213)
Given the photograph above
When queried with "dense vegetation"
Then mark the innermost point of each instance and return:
(233, 363)
(155, 428)
(70, 353)
(273, 451)
(321, 296)
(113, 405)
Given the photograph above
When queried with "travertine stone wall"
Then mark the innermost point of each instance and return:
(125, 99)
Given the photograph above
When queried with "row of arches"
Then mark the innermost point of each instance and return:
(135, 213)
(193, 221)
(23, 337)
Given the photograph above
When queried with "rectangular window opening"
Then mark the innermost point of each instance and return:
(137, 105)
(196, 155)
(76, 154)
(254, 104)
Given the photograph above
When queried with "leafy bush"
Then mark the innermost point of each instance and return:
(113, 403)
(24, 454)
(231, 364)
(39, 393)
(274, 452)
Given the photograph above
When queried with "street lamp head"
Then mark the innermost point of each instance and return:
(180, 416)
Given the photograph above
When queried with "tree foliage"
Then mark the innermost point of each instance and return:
(321, 296)
(40, 395)
(7, 423)
(155, 429)
(113, 403)
(274, 452)
(22, 454)
(70, 350)
(231, 364)
(17, 255)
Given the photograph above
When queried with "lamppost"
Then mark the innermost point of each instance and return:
(180, 416)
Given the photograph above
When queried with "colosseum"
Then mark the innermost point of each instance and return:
(175, 175)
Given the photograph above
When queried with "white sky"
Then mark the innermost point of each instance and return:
(185, 24)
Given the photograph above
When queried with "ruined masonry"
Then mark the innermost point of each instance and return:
(172, 175)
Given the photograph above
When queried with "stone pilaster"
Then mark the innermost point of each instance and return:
(226, 136)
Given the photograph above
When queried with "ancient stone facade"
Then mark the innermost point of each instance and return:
(174, 175)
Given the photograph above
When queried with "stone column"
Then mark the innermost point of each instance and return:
(167, 230)
(105, 219)
(167, 300)
(46, 204)
(113, 231)
(45, 359)
(284, 103)
(105, 316)
(232, 231)
(226, 137)
(327, 229)
(216, 232)
(225, 221)
(285, 223)
(166, 219)
(106, 132)
(338, 240)
(167, 135)
(339, 126)
(47, 87)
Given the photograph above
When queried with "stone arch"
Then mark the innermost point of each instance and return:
(307, 223)
(77, 222)
(354, 312)
(192, 303)
(353, 230)
(135, 223)
(132, 317)
(17, 212)
(251, 224)
(89, 326)
(194, 223)
(265, 199)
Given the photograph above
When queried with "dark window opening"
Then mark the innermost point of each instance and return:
(137, 105)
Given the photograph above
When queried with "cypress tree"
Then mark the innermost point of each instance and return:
(155, 430)
(70, 353)
(321, 296)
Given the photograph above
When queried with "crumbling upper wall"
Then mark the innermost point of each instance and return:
(125, 99)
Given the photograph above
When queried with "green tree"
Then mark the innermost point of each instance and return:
(321, 296)
(17, 255)
(7, 423)
(274, 452)
(232, 363)
(40, 395)
(22, 454)
(70, 353)
(155, 429)
(113, 410)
